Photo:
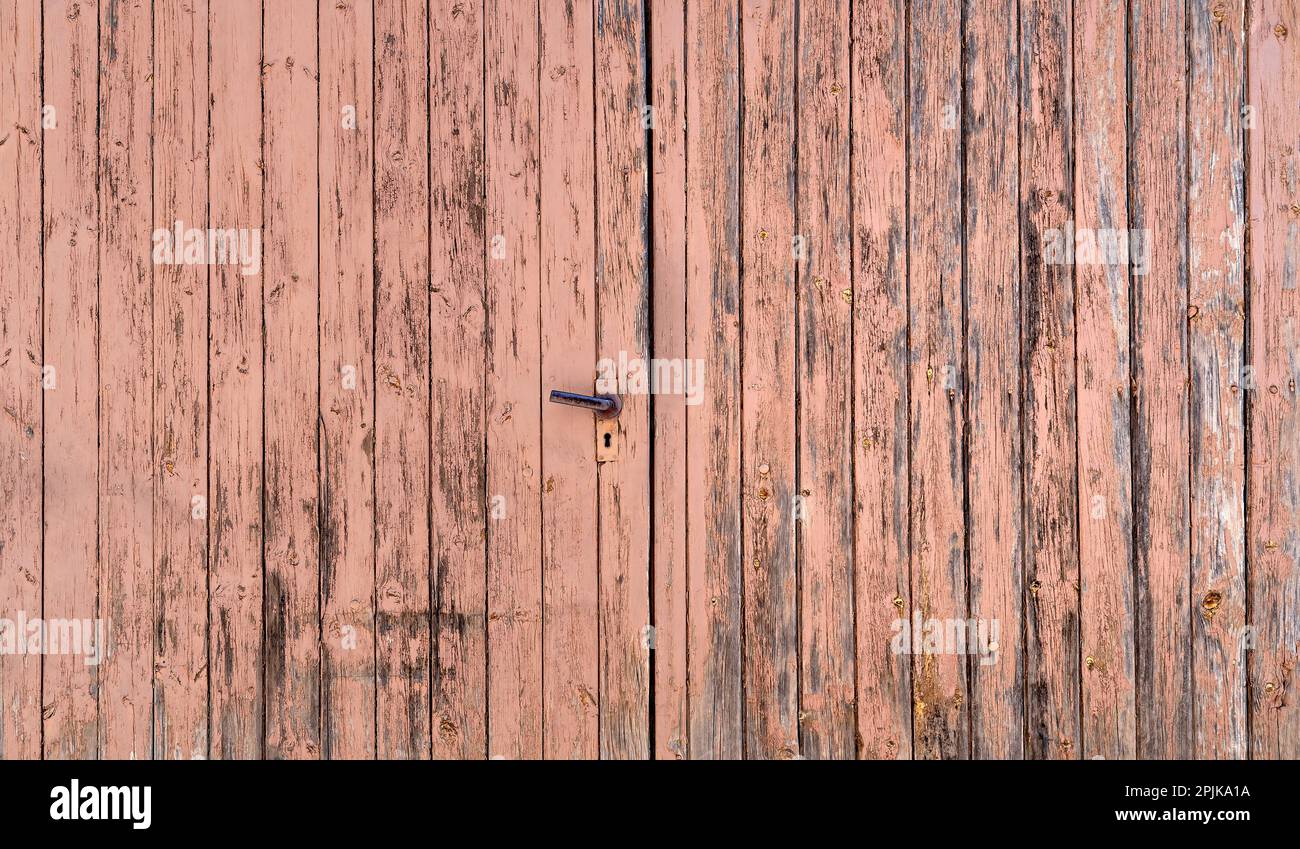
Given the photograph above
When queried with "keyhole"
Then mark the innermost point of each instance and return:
(609, 440)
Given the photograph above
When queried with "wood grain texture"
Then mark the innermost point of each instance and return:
(1273, 504)
(714, 570)
(824, 377)
(1216, 311)
(881, 409)
(180, 386)
(1103, 393)
(666, 47)
(958, 356)
(993, 369)
(347, 388)
(570, 580)
(21, 358)
(514, 416)
(1157, 191)
(70, 371)
(402, 379)
(1051, 568)
(941, 727)
(623, 334)
(235, 375)
(767, 401)
(458, 502)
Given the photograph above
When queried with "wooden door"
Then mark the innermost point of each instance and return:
(955, 346)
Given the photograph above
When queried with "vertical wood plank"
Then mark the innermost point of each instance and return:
(126, 368)
(180, 378)
(291, 403)
(669, 79)
(993, 298)
(570, 726)
(714, 576)
(347, 412)
(825, 384)
(622, 326)
(1160, 429)
(939, 688)
(402, 622)
(1051, 568)
(71, 328)
(1274, 415)
(235, 374)
(1216, 357)
(1103, 386)
(21, 353)
(880, 366)
(514, 438)
(457, 353)
(767, 399)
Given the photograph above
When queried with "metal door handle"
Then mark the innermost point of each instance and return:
(604, 406)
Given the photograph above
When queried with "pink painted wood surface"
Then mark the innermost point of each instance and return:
(570, 580)
(995, 453)
(1051, 568)
(1273, 510)
(235, 376)
(458, 503)
(70, 371)
(402, 425)
(180, 380)
(324, 510)
(1216, 338)
(347, 387)
(767, 400)
(21, 359)
(622, 333)
(1103, 390)
(514, 389)
(825, 561)
(882, 442)
(666, 44)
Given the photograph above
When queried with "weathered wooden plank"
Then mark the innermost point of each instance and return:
(21, 356)
(714, 571)
(457, 354)
(993, 375)
(126, 445)
(291, 401)
(767, 398)
(622, 328)
(402, 622)
(180, 379)
(937, 390)
(827, 722)
(1051, 565)
(70, 311)
(1103, 386)
(514, 382)
(235, 368)
(880, 367)
(1216, 218)
(1160, 429)
(1273, 501)
(347, 407)
(667, 65)
(570, 725)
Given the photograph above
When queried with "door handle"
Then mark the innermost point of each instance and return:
(604, 406)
